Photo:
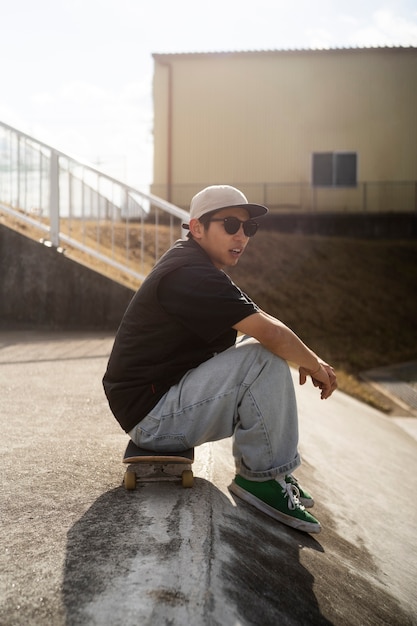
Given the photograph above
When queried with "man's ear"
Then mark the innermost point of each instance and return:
(196, 228)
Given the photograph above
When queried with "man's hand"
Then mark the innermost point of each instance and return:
(324, 378)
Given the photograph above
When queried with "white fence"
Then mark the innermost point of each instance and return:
(75, 204)
(303, 197)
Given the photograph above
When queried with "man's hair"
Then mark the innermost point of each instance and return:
(205, 220)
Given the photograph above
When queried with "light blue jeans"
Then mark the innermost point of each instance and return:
(245, 392)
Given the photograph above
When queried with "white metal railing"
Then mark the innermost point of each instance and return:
(302, 197)
(75, 204)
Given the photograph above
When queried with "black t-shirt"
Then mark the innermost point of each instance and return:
(181, 316)
(204, 301)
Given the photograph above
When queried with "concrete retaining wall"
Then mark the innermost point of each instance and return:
(40, 287)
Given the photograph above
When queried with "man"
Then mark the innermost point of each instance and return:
(177, 378)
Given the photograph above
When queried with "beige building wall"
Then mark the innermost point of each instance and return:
(254, 119)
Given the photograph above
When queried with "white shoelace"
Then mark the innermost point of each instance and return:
(291, 492)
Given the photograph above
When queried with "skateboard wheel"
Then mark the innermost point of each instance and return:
(130, 480)
(187, 478)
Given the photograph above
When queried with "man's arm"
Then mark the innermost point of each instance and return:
(276, 337)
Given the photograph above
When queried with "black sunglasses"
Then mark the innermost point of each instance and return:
(232, 225)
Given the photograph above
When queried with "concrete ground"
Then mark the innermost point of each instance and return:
(77, 549)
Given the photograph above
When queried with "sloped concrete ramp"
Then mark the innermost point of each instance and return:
(77, 549)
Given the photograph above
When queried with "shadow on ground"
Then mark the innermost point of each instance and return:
(131, 554)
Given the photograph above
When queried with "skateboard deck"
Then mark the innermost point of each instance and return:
(150, 466)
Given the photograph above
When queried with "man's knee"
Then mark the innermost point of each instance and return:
(257, 352)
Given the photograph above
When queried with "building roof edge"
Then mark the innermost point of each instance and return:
(283, 51)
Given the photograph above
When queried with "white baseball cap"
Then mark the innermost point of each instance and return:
(218, 197)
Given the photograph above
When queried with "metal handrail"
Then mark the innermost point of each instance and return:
(54, 191)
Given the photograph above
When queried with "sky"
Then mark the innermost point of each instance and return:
(77, 74)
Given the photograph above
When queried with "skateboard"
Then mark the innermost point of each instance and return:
(150, 466)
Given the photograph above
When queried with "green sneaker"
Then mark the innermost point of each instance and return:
(278, 499)
(305, 498)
